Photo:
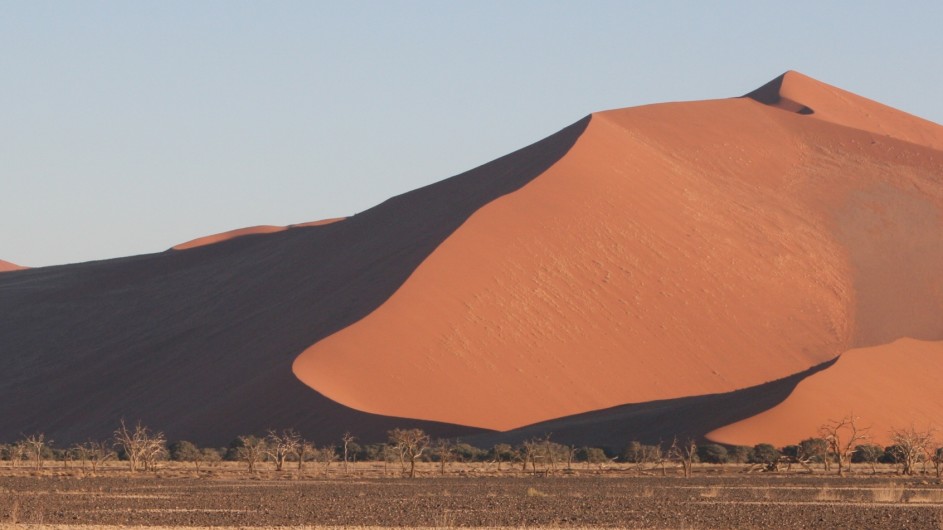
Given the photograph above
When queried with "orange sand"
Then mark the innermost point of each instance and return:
(252, 230)
(6, 266)
(888, 386)
(676, 250)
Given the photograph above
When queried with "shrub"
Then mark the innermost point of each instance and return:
(764, 454)
(712, 454)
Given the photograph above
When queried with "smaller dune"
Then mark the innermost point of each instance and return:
(888, 386)
(252, 230)
(6, 266)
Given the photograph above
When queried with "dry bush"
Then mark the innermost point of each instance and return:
(911, 445)
(142, 446)
(279, 446)
(842, 436)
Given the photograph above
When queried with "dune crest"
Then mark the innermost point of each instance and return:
(677, 249)
(801, 94)
(248, 231)
(888, 386)
(6, 266)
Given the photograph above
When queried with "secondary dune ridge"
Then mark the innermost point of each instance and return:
(252, 230)
(6, 266)
(890, 386)
(676, 250)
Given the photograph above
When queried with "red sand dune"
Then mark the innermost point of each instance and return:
(6, 266)
(252, 230)
(889, 386)
(675, 250)
(664, 261)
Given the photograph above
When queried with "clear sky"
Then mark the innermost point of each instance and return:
(127, 127)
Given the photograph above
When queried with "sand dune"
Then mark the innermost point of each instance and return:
(642, 266)
(889, 386)
(676, 250)
(252, 230)
(6, 266)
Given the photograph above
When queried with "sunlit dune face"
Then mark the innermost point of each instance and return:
(676, 250)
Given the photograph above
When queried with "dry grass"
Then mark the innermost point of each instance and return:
(889, 493)
(930, 496)
(534, 492)
(827, 494)
(710, 493)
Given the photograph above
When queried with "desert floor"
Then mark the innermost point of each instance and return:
(466, 496)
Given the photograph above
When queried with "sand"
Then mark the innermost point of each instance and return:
(665, 252)
(252, 230)
(890, 386)
(6, 266)
(676, 250)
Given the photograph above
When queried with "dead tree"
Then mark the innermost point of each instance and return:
(303, 452)
(347, 439)
(17, 453)
(326, 455)
(252, 451)
(279, 445)
(842, 436)
(411, 443)
(683, 453)
(142, 446)
(937, 459)
(93, 453)
(444, 451)
(529, 453)
(910, 445)
(35, 446)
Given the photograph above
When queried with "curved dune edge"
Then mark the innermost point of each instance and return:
(890, 386)
(252, 230)
(6, 266)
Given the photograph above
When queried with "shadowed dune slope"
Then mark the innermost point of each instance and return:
(199, 343)
(889, 386)
(654, 422)
(676, 250)
(6, 266)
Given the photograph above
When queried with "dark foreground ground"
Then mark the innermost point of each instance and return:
(723, 501)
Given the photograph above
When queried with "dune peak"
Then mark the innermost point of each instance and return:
(795, 92)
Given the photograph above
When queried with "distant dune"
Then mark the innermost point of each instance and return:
(668, 269)
(6, 266)
(252, 230)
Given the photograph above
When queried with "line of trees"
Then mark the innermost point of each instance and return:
(840, 443)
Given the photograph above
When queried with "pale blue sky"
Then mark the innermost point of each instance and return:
(127, 127)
